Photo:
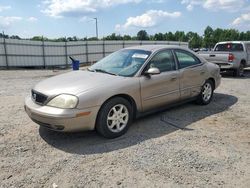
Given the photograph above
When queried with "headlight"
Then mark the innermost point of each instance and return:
(63, 101)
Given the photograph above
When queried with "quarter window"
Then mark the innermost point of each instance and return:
(186, 59)
(163, 60)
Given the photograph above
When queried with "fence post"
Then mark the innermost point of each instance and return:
(66, 55)
(103, 48)
(44, 59)
(123, 44)
(5, 52)
(87, 51)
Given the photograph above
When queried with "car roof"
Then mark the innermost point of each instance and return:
(153, 48)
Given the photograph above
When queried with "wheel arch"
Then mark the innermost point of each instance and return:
(125, 96)
(243, 61)
(213, 81)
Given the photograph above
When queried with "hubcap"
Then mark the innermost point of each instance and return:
(117, 118)
(207, 92)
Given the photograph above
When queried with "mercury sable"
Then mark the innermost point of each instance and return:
(111, 93)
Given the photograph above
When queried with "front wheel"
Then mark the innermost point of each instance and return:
(114, 118)
(206, 94)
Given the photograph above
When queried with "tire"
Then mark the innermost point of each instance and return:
(239, 72)
(114, 118)
(206, 94)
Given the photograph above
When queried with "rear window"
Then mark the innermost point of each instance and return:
(229, 47)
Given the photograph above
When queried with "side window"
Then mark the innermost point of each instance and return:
(186, 59)
(163, 60)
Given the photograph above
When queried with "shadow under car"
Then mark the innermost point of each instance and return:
(151, 126)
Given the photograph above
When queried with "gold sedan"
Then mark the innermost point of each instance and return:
(112, 92)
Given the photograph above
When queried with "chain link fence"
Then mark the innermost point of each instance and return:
(43, 54)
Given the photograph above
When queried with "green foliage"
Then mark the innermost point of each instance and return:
(142, 35)
(208, 39)
(39, 38)
(195, 41)
(113, 36)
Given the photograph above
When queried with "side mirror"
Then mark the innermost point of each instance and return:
(153, 71)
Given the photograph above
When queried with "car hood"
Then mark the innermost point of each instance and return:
(75, 82)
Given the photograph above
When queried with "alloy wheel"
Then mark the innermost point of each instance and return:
(118, 117)
(207, 92)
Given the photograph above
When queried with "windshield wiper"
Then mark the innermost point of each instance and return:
(102, 71)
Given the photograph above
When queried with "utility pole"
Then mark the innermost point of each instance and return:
(96, 27)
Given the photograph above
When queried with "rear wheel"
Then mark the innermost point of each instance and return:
(240, 71)
(206, 94)
(114, 118)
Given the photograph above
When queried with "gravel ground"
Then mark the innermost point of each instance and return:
(185, 146)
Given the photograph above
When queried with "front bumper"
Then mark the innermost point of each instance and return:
(66, 120)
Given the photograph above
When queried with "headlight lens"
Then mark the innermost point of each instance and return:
(63, 101)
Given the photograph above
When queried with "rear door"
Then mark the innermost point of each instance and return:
(192, 73)
(159, 90)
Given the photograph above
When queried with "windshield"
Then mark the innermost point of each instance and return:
(229, 47)
(123, 63)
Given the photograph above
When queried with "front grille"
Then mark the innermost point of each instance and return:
(38, 97)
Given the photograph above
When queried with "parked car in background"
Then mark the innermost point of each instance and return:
(112, 92)
(204, 49)
(234, 56)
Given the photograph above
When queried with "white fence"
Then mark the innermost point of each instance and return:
(26, 53)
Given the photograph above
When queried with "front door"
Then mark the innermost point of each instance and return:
(159, 90)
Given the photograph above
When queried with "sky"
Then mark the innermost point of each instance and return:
(65, 18)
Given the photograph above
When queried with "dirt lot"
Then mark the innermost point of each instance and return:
(210, 147)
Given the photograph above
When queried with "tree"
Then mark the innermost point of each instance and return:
(127, 37)
(208, 37)
(15, 37)
(142, 35)
(180, 36)
(69, 39)
(4, 36)
(218, 35)
(196, 41)
(170, 36)
(113, 36)
(159, 36)
(92, 38)
(39, 38)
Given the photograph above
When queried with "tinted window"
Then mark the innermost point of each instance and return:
(186, 59)
(163, 60)
(229, 47)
